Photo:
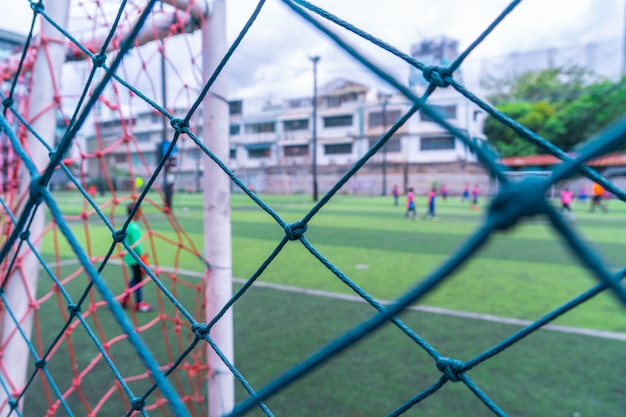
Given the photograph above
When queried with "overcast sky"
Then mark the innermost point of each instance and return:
(274, 57)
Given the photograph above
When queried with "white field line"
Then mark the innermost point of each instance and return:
(434, 310)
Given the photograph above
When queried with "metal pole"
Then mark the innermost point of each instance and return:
(315, 60)
(217, 226)
(384, 192)
(167, 187)
(384, 98)
(22, 283)
(624, 43)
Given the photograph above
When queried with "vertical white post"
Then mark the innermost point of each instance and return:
(23, 284)
(217, 227)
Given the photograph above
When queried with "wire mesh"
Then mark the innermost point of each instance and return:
(514, 202)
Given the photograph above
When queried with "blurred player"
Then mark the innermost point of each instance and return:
(475, 192)
(444, 192)
(597, 195)
(432, 196)
(566, 201)
(410, 205)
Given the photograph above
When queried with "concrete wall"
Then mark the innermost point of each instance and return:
(368, 180)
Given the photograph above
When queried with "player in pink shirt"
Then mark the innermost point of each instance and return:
(432, 195)
(444, 192)
(566, 201)
(410, 205)
(475, 192)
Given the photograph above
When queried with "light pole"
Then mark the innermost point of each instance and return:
(314, 59)
(167, 187)
(384, 99)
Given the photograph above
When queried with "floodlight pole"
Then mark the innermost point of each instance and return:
(624, 43)
(384, 98)
(168, 189)
(315, 60)
(217, 226)
(21, 286)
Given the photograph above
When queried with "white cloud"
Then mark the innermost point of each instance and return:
(274, 56)
(533, 24)
(16, 16)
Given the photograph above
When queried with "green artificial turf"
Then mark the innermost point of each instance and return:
(524, 274)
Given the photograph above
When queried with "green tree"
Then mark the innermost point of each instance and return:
(552, 84)
(566, 106)
(532, 115)
(579, 120)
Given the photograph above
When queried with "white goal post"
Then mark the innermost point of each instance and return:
(210, 17)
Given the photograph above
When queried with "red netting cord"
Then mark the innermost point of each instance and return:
(167, 244)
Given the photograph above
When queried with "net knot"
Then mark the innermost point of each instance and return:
(99, 60)
(7, 102)
(200, 329)
(119, 235)
(294, 231)
(25, 234)
(138, 403)
(13, 403)
(74, 309)
(36, 189)
(451, 368)
(37, 7)
(517, 200)
(179, 125)
(40, 364)
(436, 75)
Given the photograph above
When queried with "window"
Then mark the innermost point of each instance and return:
(392, 145)
(296, 150)
(300, 124)
(346, 98)
(337, 121)
(259, 153)
(233, 153)
(142, 137)
(447, 112)
(119, 158)
(116, 123)
(338, 99)
(435, 143)
(194, 154)
(298, 102)
(136, 160)
(235, 129)
(376, 118)
(235, 107)
(338, 148)
(333, 101)
(264, 127)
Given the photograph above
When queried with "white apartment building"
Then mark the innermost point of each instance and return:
(275, 136)
(350, 120)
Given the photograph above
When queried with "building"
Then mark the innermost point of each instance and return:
(271, 142)
(11, 43)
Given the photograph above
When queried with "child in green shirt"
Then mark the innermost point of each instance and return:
(133, 237)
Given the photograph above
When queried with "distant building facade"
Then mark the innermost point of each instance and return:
(11, 43)
(272, 144)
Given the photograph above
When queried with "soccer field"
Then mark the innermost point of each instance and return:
(523, 274)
